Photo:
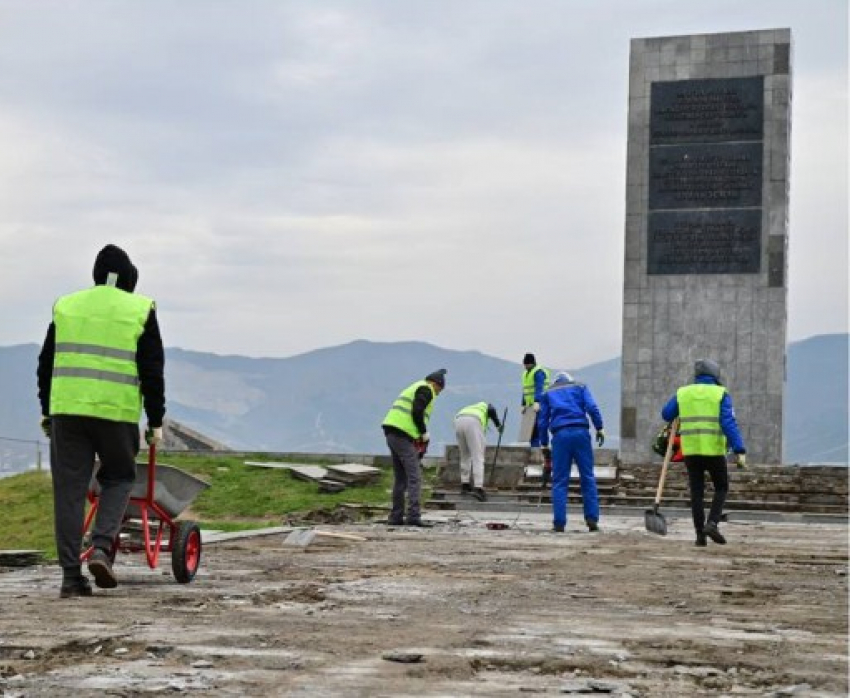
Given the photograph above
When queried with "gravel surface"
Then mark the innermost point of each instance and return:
(452, 610)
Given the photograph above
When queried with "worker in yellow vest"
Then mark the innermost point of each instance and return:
(471, 428)
(101, 360)
(406, 430)
(708, 427)
(535, 381)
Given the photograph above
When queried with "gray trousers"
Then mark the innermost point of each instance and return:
(74, 443)
(406, 477)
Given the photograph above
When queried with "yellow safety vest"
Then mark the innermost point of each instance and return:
(699, 419)
(528, 383)
(400, 414)
(480, 410)
(94, 365)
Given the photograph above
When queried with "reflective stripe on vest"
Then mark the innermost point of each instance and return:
(94, 366)
(479, 409)
(699, 419)
(528, 383)
(400, 414)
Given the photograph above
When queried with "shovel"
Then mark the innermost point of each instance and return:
(498, 446)
(654, 519)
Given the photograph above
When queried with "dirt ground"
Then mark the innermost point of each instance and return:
(453, 610)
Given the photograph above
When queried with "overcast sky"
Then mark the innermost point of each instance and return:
(294, 175)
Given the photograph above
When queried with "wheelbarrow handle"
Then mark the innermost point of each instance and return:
(151, 471)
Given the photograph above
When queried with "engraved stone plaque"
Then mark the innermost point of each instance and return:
(707, 111)
(704, 242)
(719, 175)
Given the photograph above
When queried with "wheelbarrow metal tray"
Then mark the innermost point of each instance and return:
(174, 489)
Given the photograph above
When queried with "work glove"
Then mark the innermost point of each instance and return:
(536, 407)
(600, 437)
(425, 437)
(501, 429)
(153, 435)
(47, 426)
(741, 461)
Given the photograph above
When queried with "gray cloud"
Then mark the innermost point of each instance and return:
(289, 175)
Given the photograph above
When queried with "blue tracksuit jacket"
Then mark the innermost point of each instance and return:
(564, 409)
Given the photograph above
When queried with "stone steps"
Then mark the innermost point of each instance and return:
(448, 500)
(515, 481)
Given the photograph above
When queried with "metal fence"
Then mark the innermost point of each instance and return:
(18, 455)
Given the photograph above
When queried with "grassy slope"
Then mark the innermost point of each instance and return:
(240, 497)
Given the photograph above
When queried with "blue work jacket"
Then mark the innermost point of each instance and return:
(566, 404)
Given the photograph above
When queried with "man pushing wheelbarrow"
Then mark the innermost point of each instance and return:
(101, 359)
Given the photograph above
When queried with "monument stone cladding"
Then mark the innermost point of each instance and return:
(707, 229)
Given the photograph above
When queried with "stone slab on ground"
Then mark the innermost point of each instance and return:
(353, 474)
(491, 612)
(311, 473)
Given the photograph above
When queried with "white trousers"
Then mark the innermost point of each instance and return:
(470, 441)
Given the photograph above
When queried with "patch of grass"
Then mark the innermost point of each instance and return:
(240, 497)
(26, 512)
(243, 491)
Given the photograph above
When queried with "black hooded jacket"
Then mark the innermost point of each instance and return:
(150, 355)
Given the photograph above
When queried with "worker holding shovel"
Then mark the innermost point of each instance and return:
(470, 428)
(564, 409)
(706, 424)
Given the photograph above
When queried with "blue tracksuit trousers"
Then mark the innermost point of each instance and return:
(573, 445)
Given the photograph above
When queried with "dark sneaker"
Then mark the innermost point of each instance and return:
(712, 532)
(701, 541)
(395, 522)
(72, 588)
(465, 489)
(557, 528)
(101, 568)
(479, 494)
(592, 526)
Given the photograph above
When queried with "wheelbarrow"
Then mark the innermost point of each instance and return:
(159, 495)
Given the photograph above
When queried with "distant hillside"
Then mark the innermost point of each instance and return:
(334, 399)
(816, 419)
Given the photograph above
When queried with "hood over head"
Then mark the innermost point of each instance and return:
(112, 260)
(707, 367)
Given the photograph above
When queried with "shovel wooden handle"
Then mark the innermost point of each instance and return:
(674, 427)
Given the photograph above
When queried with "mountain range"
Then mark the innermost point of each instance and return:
(333, 400)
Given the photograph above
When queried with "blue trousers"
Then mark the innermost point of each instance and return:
(573, 445)
(534, 441)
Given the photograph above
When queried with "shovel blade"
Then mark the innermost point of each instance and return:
(655, 522)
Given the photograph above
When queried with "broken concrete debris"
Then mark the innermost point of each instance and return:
(21, 558)
(402, 656)
(330, 478)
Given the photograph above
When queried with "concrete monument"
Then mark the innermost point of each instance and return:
(707, 228)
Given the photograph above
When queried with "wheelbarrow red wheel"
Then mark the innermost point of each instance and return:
(186, 552)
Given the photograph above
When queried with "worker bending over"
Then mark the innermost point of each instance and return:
(406, 431)
(470, 428)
